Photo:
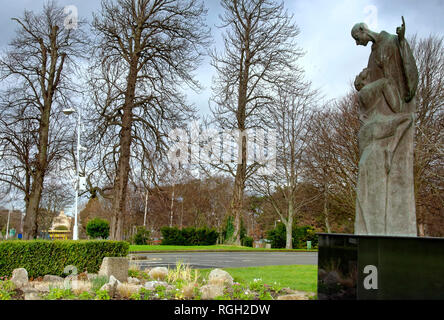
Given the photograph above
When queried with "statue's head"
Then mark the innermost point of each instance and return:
(360, 32)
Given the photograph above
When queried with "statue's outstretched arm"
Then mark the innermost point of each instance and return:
(400, 31)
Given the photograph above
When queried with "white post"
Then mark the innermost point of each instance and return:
(76, 229)
(7, 225)
(146, 207)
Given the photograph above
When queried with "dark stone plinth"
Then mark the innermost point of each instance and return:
(353, 267)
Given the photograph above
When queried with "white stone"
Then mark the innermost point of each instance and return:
(132, 280)
(111, 286)
(51, 278)
(219, 276)
(20, 277)
(32, 294)
(211, 291)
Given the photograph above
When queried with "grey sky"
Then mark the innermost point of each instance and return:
(332, 58)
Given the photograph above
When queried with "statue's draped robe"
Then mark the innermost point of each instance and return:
(385, 202)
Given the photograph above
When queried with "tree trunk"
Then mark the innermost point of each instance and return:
(30, 221)
(326, 218)
(121, 180)
(238, 192)
(289, 225)
(41, 163)
(289, 230)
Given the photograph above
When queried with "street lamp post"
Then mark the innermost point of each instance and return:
(76, 228)
(7, 225)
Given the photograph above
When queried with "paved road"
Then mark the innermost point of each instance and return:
(225, 259)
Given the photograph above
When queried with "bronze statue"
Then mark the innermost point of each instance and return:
(385, 202)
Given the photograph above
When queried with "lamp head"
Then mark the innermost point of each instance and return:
(69, 111)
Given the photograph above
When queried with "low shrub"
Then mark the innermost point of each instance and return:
(142, 236)
(189, 236)
(301, 234)
(97, 228)
(247, 241)
(42, 257)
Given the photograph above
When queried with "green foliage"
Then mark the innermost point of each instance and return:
(97, 228)
(85, 295)
(42, 257)
(145, 294)
(98, 282)
(228, 231)
(301, 234)
(247, 241)
(60, 293)
(7, 289)
(102, 295)
(61, 228)
(139, 274)
(142, 236)
(189, 236)
(277, 236)
(136, 296)
(7, 285)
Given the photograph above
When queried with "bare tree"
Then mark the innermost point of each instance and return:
(290, 116)
(147, 49)
(429, 151)
(37, 71)
(332, 160)
(259, 48)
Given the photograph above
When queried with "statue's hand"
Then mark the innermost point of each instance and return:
(400, 31)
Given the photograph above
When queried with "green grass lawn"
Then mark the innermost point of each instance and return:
(296, 277)
(191, 248)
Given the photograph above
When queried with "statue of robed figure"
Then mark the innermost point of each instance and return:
(385, 201)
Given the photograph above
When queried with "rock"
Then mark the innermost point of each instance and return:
(115, 266)
(41, 286)
(32, 294)
(211, 291)
(158, 273)
(298, 295)
(111, 286)
(20, 277)
(220, 277)
(151, 285)
(51, 278)
(132, 280)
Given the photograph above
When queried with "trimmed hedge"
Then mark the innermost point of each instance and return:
(189, 236)
(42, 257)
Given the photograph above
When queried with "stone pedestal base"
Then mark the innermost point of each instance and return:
(354, 267)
